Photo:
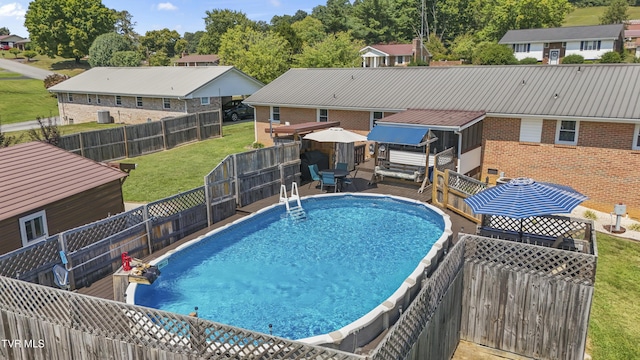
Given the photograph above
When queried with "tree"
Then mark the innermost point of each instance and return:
(125, 59)
(372, 21)
(14, 51)
(265, 56)
(436, 48)
(160, 41)
(336, 50)
(29, 54)
(617, 13)
(54, 79)
(489, 53)
(124, 25)
(407, 20)
(67, 28)
(285, 30)
(159, 58)
(105, 46)
(611, 57)
(217, 22)
(4, 31)
(46, 132)
(334, 16)
(192, 40)
(7, 140)
(181, 46)
(573, 59)
(310, 30)
(463, 46)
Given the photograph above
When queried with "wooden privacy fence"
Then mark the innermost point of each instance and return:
(135, 140)
(530, 300)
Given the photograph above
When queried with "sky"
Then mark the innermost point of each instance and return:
(180, 15)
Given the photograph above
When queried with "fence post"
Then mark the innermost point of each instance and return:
(164, 135)
(126, 142)
(445, 189)
(236, 180)
(207, 200)
(198, 124)
(81, 145)
(62, 241)
(147, 224)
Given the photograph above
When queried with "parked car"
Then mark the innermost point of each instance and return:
(5, 47)
(235, 110)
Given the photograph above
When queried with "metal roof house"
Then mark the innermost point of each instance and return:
(558, 124)
(45, 190)
(381, 55)
(141, 94)
(550, 45)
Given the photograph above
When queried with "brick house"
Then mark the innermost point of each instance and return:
(551, 45)
(141, 94)
(382, 55)
(577, 125)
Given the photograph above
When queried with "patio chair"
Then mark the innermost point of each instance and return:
(313, 170)
(342, 166)
(350, 179)
(329, 180)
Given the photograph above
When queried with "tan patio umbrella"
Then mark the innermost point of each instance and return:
(344, 139)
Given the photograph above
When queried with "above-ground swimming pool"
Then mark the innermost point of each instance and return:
(304, 278)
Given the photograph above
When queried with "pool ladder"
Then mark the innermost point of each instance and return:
(295, 212)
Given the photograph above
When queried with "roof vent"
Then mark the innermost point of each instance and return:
(555, 96)
(523, 82)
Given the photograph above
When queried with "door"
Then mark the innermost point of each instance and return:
(554, 56)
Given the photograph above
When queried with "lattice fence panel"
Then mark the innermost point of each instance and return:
(151, 328)
(564, 265)
(177, 203)
(399, 340)
(88, 234)
(41, 254)
(36, 301)
(465, 184)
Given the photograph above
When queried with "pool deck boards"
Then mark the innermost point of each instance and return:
(466, 350)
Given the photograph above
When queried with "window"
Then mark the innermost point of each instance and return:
(471, 137)
(88, 99)
(98, 99)
(375, 116)
(546, 45)
(531, 130)
(323, 115)
(567, 132)
(33, 227)
(275, 114)
(636, 138)
(204, 101)
(138, 101)
(118, 100)
(564, 45)
(400, 60)
(521, 48)
(166, 103)
(589, 45)
(70, 97)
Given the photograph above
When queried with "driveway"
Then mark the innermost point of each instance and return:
(26, 70)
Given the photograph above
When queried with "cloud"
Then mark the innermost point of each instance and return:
(167, 6)
(275, 2)
(12, 9)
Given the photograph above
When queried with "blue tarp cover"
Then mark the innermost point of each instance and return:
(397, 134)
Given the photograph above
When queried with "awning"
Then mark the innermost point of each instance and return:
(402, 135)
(302, 128)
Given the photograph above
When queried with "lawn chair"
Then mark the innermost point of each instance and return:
(350, 179)
(328, 179)
(342, 166)
(313, 170)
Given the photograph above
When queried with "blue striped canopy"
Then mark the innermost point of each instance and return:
(524, 197)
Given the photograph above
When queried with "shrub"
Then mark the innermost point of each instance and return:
(589, 214)
(159, 59)
(54, 79)
(15, 51)
(528, 61)
(611, 57)
(418, 63)
(573, 59)
(125, 59)
(488, 53)
(634, 227)
(29, 54)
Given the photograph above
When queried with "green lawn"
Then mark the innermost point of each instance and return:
(591, 15)
(59, 65)
(167, 173)
(24, 99)
(614, 326)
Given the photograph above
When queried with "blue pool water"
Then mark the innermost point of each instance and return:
(306, 278)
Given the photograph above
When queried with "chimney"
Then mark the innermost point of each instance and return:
(418, 51)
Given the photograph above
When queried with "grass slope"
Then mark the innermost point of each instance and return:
(591, 15)
(167, 173)
(24, 99)
(614, 326)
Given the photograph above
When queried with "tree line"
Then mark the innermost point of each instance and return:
(330, 36)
